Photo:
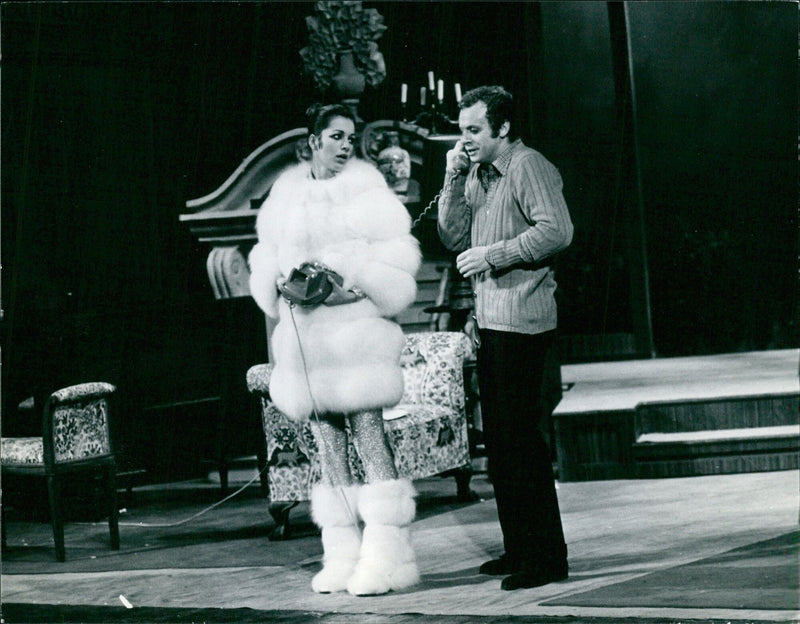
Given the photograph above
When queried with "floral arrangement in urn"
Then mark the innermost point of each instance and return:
(342, 33)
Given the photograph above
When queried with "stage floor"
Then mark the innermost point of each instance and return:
(619, 386)
(714, 548)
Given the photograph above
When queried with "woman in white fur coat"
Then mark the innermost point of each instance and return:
(338, 211)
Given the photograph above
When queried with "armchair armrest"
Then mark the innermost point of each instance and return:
(433, 364)
(81, 392)
(258, 377)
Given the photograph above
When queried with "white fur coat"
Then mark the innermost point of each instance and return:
(354, 224)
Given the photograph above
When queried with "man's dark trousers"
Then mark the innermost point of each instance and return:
(510, 372)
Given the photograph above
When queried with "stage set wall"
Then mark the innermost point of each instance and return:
(681, 177)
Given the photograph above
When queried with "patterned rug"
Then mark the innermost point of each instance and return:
(165, 534)
(763, 575)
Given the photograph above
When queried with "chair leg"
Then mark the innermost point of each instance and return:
(56, 517)
(3, 524)
(463, 492)
(280, 513)
(113, 507)
(263, 472)
(223, 478)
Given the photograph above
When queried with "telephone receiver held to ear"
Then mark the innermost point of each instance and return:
(461, 150)
(458, 159)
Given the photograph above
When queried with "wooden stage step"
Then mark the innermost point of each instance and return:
(735, 412)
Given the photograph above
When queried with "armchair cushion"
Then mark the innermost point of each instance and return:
(22, 451)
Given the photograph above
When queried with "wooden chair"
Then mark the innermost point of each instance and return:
(427, 431)
(75, 437)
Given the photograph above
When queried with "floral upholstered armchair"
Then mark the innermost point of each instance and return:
(427, 430)
(75, 437)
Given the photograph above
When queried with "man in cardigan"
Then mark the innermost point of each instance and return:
(502, 208)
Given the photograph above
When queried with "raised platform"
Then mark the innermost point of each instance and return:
(728, 413)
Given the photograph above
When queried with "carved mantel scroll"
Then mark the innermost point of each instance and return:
(225, 218)
(228, 272)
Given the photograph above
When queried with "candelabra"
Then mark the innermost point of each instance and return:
(436, 121)
(431, 116)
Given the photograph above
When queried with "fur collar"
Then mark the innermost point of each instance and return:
(357, 177)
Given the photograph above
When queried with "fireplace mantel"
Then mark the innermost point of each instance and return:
(225, 219)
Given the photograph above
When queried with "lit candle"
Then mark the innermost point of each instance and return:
(458, 92)
(430, 81)
(440, 91)
(422, 96)
(403, 93)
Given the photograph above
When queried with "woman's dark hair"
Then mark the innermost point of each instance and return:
(319, 116)
(499, 106)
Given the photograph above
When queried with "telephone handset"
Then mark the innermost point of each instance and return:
(462, 152)
(435, 200)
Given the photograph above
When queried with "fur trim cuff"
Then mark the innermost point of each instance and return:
(334, 506)
(388, 502)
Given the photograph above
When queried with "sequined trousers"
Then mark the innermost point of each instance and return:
(369, 441)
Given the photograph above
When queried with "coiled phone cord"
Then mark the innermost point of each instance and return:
(428, 208)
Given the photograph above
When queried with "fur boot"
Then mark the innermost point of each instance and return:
(334, 510)
(387, 560)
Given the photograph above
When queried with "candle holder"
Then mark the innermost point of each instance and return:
(431, 116)
(436, 121)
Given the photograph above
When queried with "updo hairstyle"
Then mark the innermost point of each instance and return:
(319, 116)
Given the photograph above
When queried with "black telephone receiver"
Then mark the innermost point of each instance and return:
(435, 199)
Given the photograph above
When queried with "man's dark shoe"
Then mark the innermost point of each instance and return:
(499, 567)
(527, 579)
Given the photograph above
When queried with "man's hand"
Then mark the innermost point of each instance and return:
(457, 159)
(472, 261)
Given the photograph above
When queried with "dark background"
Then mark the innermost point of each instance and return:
(682, 183)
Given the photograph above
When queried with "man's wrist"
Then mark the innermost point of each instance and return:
(487, 257)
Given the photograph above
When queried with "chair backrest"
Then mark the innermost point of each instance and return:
(76, 424)
(433, 368)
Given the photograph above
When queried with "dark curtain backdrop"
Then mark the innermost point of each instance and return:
(115, 114)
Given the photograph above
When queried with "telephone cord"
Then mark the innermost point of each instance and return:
(428, 208)
(315, 412)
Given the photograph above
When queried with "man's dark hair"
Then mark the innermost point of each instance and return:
(499, 106)
(319, 116)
